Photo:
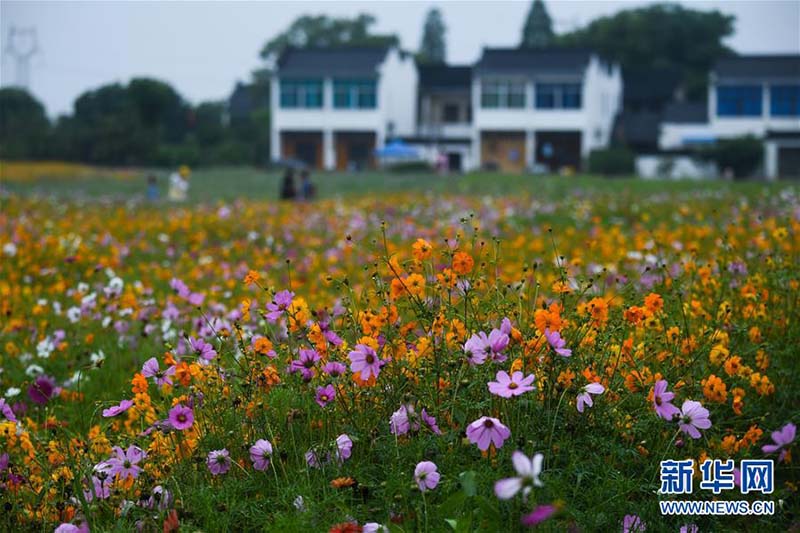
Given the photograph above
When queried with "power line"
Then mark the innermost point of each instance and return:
(22, 45)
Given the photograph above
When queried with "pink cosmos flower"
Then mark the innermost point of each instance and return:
(403, 420)
(585, 398)
(344, 447)
(689, 528)
(6, 410)
(42, 389)
(782, 439)
(633, 524)
(662, 401)
(279, 304)
(260, 454)
(150, 369)
(181, 417)
(218, 461)
(528, 470)
(475, 349)
(116, 410)
(430, 422)
(539, 515)
(125, 463)
(487, 430)
(305, 363)
(364, 360)
(507, 386)
(203, 350)
(334, 369)
(325, 395)
(496, 343)
(426, 476)
(558, 344)
(693, 417)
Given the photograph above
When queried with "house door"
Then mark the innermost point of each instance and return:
(789, 162)
(558, 149)
(454, 161)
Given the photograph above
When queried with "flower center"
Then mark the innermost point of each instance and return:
(181, 417)
(512, 385)
(369, 358)
(658, 400)
(488, 423)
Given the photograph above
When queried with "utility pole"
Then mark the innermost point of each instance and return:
(22, 45)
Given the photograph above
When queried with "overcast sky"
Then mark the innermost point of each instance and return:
(202, 48)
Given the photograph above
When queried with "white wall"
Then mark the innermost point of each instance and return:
(601, 100)
(679, 167)
(397, 93)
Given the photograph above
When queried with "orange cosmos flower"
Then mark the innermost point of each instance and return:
(463, 263)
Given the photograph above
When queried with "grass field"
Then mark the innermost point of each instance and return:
(240, 363)
(209, 185)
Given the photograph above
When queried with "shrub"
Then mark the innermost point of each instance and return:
(618, 161)
(742, 155)
(408, 167)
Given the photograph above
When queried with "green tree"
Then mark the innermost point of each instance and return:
(24, 127)
(663, 37)
(320, 30)
(433, 48)
(538, 29)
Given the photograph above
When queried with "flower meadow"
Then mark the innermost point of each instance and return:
(401, 363)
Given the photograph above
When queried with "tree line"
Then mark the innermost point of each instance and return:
(147, 122)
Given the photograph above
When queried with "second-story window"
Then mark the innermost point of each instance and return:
(354, 94)
(739, 101)
(784, 100)
(558, 95)
(503, 94)
(301, 93)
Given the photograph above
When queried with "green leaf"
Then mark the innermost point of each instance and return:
(468, 485)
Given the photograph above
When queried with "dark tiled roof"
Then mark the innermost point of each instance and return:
(686, 113)
(553, 60)
(444, 77)
(759, 66)
(331, 61)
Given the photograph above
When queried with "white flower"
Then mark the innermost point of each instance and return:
(45, 348)
(528, 470)
(299, 504)
(10, 249)
(12, 391)
(74, 314)
(98, 357)
(34, 370)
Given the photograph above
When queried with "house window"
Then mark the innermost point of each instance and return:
(354, 94)
(450, 114)
(739, 101)
(305, 93)
(503, 94)
(558, 95)
(785, 100)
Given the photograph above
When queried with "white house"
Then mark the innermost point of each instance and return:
(332, 107)
(541, 108)
(755, 95)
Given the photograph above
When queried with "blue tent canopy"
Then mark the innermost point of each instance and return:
(397, 150)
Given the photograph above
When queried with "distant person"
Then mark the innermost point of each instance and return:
(152, 188)
(179, 184)
(308, 187)
(288, 191)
